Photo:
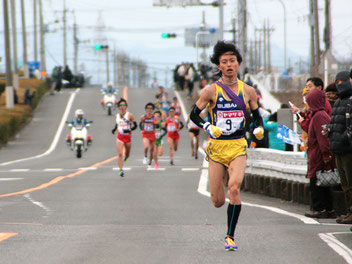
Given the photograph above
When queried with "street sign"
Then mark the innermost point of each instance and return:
(171, 3)
(204, 40)
(33, 65)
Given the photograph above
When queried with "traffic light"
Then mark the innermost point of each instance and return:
(168, 35)
(99, 47)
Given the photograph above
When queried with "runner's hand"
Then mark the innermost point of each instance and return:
(258, 133)
(213, 131)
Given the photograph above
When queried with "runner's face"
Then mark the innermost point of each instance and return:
(122, 107)
(149, 110)
(172, 113)
(228, 64)
(157, 117)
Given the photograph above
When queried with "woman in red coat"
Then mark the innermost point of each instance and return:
(319, 156)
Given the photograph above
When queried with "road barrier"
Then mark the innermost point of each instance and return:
(282, 174)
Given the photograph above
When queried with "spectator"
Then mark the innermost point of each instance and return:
(270, 124)
(341, 141)
(155, 84)
(67, 75)
(249, 81)
(28, 97)
(190, 78)
(37, 74)
(181, 72)
(54, 76)
(331, 93)
(311, 84)
(59, 79)
(319, 156)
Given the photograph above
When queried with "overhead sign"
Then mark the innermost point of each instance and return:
(207, 37)
(171, 3)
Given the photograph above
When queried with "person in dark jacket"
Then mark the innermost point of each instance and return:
(341, 140)
(319, 156)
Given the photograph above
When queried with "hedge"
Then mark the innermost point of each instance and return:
(13, 119)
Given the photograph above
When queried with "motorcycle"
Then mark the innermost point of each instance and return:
(109, 101)
(79, 139)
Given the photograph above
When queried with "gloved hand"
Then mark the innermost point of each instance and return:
(113, 131)
(213, 131)
(126, 130)
(258, 133)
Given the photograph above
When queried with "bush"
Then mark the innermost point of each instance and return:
(11, 120)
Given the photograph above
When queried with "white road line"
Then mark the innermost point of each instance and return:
(10, 179)
(19, 170)
(190, 169)
(41, 205)
(152, 169)
(57, 135)
(337, 246)
(125, 169)
(53, 169)
(87, 168)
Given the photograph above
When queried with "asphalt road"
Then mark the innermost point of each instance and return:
(55, 208)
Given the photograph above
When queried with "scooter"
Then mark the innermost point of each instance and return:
(79, 139)
(109, 102)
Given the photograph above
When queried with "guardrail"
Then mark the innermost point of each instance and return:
(282, 174)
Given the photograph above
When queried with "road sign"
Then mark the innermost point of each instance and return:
(204, 40)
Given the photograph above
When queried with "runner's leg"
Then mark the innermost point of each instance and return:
(217, 173)
(171, 146)
(119, 146)
(191, 136)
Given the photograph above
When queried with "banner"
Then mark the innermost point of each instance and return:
(287, 135)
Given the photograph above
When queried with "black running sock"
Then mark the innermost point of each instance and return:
(233, 212)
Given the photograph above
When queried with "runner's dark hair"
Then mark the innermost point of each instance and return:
(149, 104)
(220, 48)
(121, 101)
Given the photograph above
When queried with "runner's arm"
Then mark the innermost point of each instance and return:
(114, 129)
(181, 125)
(202, 102)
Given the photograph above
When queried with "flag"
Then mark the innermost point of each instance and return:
(287, 135)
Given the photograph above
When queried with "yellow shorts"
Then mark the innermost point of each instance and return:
(225, 151)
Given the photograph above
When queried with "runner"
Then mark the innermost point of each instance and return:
(226, 101)
(193, 132)
(148, 133)
(177, 106)
(125, 123)
(160, 132)
(173, 126)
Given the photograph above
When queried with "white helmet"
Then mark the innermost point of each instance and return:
(79, 112)
(110, 85)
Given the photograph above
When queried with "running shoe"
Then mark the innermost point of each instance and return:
(125, 159)
(156, 167)
(171, 162)
(230, 244)
(145, 161)
(122, 173)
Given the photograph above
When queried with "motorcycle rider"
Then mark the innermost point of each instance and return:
(79, 120)
(109, 89)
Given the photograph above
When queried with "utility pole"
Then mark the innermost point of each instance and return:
(327, 30)
(42, 40)
(75, 45)
(269, 45)
(242, 31)
(35, 30)
(234, 30)
(255, 52)
(221, 19)
(265, 47)
(260, 50)
(14, 44)
(9, 88)
(316, 30)
(107, 66)
(64, 21)
(115, 67)
(24, 38)
(312, 43)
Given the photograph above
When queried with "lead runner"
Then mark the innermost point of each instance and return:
(226, 101)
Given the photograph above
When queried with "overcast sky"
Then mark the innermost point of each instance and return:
(135, 26)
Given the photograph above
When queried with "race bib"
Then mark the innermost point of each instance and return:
(230, 121)
(148, 127)
(122, 126)
(171, 128)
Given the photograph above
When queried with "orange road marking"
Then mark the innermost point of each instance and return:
(58, 179)
(8, 223)
(125, 93)
(4, 236)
